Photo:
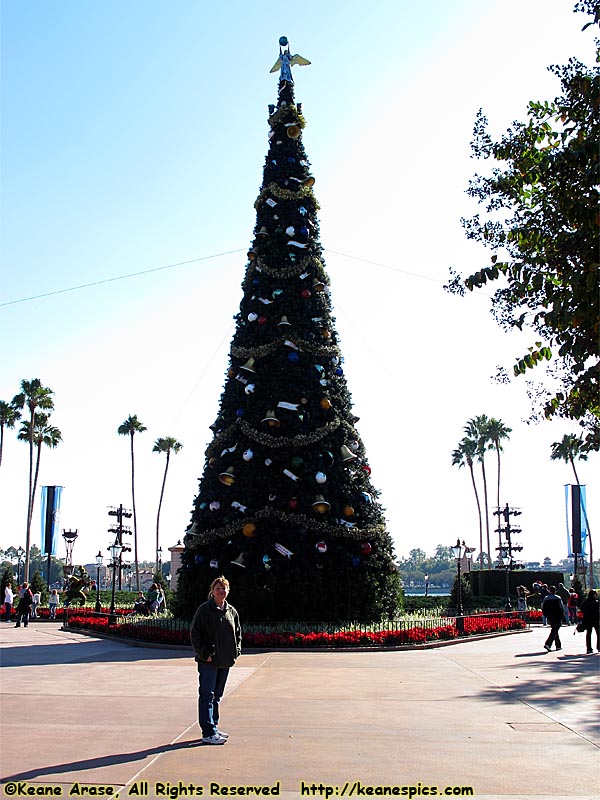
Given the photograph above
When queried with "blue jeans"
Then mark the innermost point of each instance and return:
(211, 685)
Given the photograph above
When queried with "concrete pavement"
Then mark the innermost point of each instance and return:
(494, 718)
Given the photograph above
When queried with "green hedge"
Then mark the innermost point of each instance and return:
(493, 581)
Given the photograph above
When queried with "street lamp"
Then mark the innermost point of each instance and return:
(115, 554)
(159, 560)
(458, 551)
(506, 558)
(20, 554)
(99, 561)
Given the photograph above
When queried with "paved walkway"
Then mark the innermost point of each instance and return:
(499, 715)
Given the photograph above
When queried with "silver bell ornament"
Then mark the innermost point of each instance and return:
(250, 388)
(320, 477)
(248, 455)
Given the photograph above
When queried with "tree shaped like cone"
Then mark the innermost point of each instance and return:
(286, 508)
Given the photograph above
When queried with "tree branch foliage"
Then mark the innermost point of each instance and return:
(542, 215)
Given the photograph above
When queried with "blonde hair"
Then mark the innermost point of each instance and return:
(222, 580)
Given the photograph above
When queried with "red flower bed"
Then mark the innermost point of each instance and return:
(163, 634)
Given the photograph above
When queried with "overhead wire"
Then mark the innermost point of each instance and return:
(195, 261)
(120, 277)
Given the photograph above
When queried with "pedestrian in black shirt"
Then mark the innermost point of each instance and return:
(554, 611)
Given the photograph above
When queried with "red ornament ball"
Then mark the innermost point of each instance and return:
(305, 293)
(366, 548)
(262, 320)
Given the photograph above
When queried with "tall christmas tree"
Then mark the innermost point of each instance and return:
(286, 508)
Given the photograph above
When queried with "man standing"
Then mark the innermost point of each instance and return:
(216, 637)
(554, 611)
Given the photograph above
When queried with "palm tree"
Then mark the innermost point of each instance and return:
(567, 450)
(42, 434)
(9, 416)
(477, 429)
(130, 427)
(464, 454)
(496, 431)
(34, 396)
(166, 445)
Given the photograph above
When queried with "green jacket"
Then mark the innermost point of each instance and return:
(217, 634)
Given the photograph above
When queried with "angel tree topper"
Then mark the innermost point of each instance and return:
(285, 62)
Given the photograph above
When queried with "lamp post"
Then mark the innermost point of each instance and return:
(99, 561)
(115, 554)
(458, 551)
(159, 560)
(20, 554)
(506, 557)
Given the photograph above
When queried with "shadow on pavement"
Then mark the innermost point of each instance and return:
(101, 761)
(82, 652)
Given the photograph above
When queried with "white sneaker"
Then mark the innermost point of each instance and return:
(223, 734)
(216, 739)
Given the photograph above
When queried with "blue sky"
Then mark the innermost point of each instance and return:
(133, 138)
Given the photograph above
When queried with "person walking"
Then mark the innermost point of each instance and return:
(152, 598)
(8, 602)
(37, 599)
(25, 601)
(522, 593)
(590, 609)
(572, 606)
(554, 611)
(53, 603)
(216, 637)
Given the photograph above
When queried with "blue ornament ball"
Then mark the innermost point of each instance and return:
(293, 357)
(240, 412)
(355, 561)
(283, 41)
(198, 559)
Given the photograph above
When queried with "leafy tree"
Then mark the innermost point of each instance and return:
(542, 224)
(9, 416)
(417, 556)
(8, 579)
(38, 584)
(572, 447)
(464, 454)
(34, 396)
(130, 427)
(166, 445)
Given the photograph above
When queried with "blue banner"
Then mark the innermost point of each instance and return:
(577, 521)
(50, 518)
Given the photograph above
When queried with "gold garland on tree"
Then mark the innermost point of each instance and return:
(285, 194)
(300, 520)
